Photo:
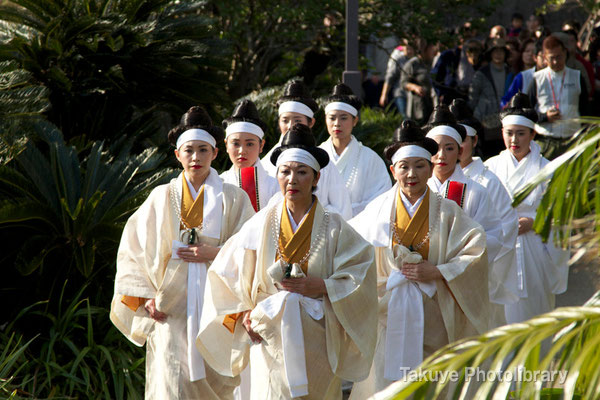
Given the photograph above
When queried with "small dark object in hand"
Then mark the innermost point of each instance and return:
(288, 271)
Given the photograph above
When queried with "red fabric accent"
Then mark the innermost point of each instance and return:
(456, 191)
(248, 184)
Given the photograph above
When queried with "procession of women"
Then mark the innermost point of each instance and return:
(316, 266)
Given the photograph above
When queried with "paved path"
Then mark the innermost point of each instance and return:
(584, 281)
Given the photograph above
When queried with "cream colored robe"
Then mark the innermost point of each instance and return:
(457, 248)
(339, 346)
(145, 269)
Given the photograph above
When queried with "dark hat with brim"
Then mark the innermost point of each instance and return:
(300, 136)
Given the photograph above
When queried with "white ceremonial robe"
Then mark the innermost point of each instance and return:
(338, 346)
(502, 289)
(146, 268)
(460, 305)
(331, 191)
(542, 268)
(478, 206)
(363, 171)
(267, 185)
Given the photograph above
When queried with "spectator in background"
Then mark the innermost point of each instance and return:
(577, 61)
(393, 75)
(514, 62)
(485, 93)
(416, 81)
(454, 70)
(535, 22)
(533, 60)
(497, 32)
(516, 25)
(558, 94)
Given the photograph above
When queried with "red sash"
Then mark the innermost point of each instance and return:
(456, 191)
(249, 184)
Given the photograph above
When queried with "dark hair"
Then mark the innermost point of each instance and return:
(571, 32)
(552, 42)
(540, 19)
(464, 115)
(407, 134)
(442, 115)
(343, 93)
(296, 90)
(245, 111)
(195, 117)
(300, 136)
(520, 105)
(517, 16)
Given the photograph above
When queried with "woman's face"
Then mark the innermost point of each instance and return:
(412, 174)
(498, 56)
(468, 147)
(444, 161)
(289, 119)
(528, 56)
(517, 139)
(195, 157)
(340, 124)
(296, 181)
(243, 149)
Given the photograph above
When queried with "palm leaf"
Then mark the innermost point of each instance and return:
(520, 345)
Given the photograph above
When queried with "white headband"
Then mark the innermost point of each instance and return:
(298, 155)
(470, 130)
(517, 120)
(445, 130)
(243, 126)
(297, 107)
(341, 106)
(196, 134)
(410, 151)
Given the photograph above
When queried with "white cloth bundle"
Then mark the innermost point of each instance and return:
(292, 336)
(195, 291)
(406, 318)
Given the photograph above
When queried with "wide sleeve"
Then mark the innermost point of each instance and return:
(237, 210)
(503, 289)
(462, 261)
(338, 197)
(142, 256)
(351, 306)
(377, 181)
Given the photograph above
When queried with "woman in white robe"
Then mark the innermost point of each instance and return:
(430, 260)
(541, 268)
(244, 133)
(502, 288)
(362, 170)
(165, 249)
(296, 106)
(449, 181)
(305, 283)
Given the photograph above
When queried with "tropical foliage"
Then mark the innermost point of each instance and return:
(565, 340)
(116, 67)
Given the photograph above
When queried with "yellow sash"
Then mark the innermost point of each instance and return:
(294, 246)
(192, 213)
(411, 231)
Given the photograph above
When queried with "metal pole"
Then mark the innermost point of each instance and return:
(352, 76)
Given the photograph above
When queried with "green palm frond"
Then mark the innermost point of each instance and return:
(571, 203)
(573, 332)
